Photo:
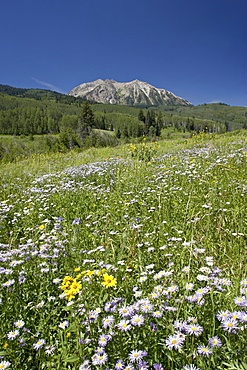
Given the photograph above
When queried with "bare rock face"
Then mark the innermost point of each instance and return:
(134, 93)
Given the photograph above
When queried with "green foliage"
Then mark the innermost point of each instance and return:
(87, 115)
(235, 117)
(236, 365)
(156, 229)
(29, 112)
(40, 94)
(143, 152)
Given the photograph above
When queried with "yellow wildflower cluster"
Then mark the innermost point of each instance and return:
(71, 287)
(90, 273)
(144, 151)
(108, 280)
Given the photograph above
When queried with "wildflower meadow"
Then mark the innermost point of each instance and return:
(129, 258)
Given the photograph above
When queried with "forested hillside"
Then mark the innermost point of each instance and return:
(74, 122)
(233, 117)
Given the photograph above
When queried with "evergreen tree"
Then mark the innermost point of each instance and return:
(141, 116)
(159, 123)
(118, 133)
(152, 118)
(86, 120)
(147, 123)
(87, 116)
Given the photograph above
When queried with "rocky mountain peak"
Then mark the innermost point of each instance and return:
(133, 93)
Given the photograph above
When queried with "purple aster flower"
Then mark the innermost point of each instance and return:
(22, 279)
(196, 298)
(170, 308)
(175, 341)
(158, 366)
(99, 359)
(107, 321)
(137, 320)
(4, 364)
(240, 301)
(119, 365)
(129, 367)
(243, 317)
(8, 283)
(76, 221)
(19, 324)
(204, 350)
(103, 339)
(153, 326)
(39, 344)
(124, 325)
(13, 334)
(110, 306)
(85, 366)
(49, 350)
(214, 342)
(22, 343)
(126, 311)
(143, 365)
(100, 350)
(148, 307)
(194, 329)
(230, 325)
(180, 325)
(222, 315)
(157, 313)
(243, 282)
(64, 324)
(135, 356)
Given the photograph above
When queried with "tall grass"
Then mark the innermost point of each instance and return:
(131, 257)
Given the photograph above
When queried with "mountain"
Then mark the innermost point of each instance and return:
(134, 93)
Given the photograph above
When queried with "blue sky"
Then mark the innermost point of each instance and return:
(195, 48)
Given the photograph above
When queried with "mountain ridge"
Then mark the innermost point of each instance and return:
(132, 93)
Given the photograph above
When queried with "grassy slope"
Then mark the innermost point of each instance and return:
(139, 218)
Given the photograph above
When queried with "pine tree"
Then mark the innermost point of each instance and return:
(87, 116)
(86, 120)
(118, 133)
(147, 123)
(159, 123)
(141, 116)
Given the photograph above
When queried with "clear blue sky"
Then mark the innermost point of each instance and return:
(195, 48)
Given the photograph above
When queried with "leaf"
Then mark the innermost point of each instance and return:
(235, 366)
(71, 359)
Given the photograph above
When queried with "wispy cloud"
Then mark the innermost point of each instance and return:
(48, 85)
(215, 101)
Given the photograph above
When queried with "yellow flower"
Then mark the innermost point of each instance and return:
(75, 286)
(69, 294)
(108, 281)
(89, 273)
(41, 227)
(68, 335)
(67, 281)
(77, 269)
(5, 345)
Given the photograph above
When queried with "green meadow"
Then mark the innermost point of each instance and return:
(130, 257)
